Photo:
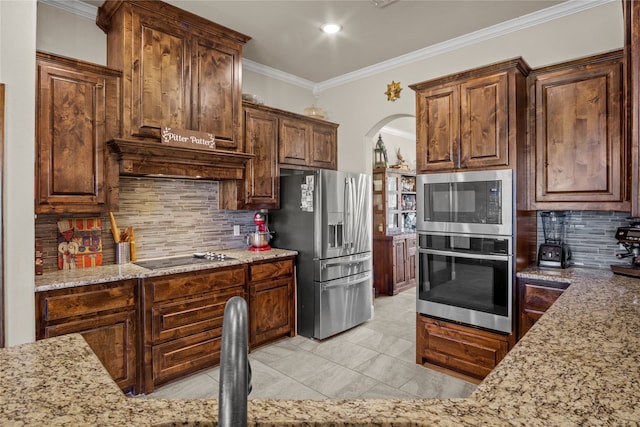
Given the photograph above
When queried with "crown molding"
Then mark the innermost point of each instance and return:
(265, 70)
(561, 10)
(549, 14)
(74, 6)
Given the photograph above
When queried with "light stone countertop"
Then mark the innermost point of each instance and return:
(108, 273)
(578, 365)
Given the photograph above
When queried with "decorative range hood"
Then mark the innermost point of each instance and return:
(152, 158)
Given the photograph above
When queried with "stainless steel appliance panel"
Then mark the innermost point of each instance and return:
(342, 304)
(467, 279)
(326, 216)
(342, 210)
(461, 207)
(334, 268)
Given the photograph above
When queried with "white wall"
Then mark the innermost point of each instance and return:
(68, 34)
(17, 71)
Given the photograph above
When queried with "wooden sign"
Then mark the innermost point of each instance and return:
(188, 138)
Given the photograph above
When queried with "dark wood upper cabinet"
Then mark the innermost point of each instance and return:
(471, 120)
(179, 70)
(262, 173)
(580, 151)
(631, 11)
(307, 143)
(323, 152)
(260, 188)
(77, 111)
(295, 139)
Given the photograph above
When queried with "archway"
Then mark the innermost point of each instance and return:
(371, 136)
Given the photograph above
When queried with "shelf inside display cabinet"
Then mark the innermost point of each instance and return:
(394, 201)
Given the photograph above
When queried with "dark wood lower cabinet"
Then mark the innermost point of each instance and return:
(535, 297)
(469, 352)
(394, 263)
(271, 301)
(183, 316)
(106, 315)
(162, 328)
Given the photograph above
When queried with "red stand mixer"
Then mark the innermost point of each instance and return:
(259, 240)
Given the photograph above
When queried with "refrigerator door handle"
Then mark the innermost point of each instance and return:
(347, 284)
(349, 216)
(346, 262)
(345, 213)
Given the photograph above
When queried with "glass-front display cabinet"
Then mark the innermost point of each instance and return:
(394, 201)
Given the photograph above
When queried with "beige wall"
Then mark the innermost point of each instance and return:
(67, 34)
(17, 71)
(359, 107)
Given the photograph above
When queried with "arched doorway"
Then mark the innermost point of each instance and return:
(398, 132)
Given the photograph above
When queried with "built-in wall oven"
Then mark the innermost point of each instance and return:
(466, 278)
(465, 248)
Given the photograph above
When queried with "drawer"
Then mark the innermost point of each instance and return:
(193, 283)
(469, 351)
(86, 300)
(177, 358)
(271, 270)
(540, 298)
(182, 318)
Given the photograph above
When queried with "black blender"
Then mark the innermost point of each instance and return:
(554, 252)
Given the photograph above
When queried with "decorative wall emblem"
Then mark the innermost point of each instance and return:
(393, 91)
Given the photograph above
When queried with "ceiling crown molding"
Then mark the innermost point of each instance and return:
(74, 6)
(549, 14)
(265, 70)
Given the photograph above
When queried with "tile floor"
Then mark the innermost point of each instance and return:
(373, 360)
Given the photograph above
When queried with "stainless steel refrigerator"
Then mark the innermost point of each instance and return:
(326, 216)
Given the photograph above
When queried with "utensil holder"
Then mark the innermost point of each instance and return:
(123, 253)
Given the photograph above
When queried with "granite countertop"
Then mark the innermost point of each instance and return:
(113, 272)
(578, 365)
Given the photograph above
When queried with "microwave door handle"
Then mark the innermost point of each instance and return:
(465, 255)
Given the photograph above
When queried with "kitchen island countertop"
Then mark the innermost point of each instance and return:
(578, 365)
(109, 273)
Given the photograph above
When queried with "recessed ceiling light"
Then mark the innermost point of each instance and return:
(330, 28)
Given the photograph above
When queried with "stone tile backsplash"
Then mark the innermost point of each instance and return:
(169, 217)
(177, 217)
(591, 237)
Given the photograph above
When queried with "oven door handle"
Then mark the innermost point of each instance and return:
(491, 257)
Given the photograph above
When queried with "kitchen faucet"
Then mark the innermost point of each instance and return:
(235, 369)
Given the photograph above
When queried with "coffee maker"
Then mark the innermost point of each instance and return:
(554, 252)
(629, 239)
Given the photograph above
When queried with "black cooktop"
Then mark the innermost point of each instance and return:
(155, 264)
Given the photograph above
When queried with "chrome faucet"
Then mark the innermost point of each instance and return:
(235, 369)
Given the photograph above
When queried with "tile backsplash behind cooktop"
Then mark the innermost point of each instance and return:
(169, 217)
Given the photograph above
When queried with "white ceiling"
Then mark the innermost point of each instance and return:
(286, 35)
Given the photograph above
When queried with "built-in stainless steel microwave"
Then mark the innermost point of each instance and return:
(466, 202)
